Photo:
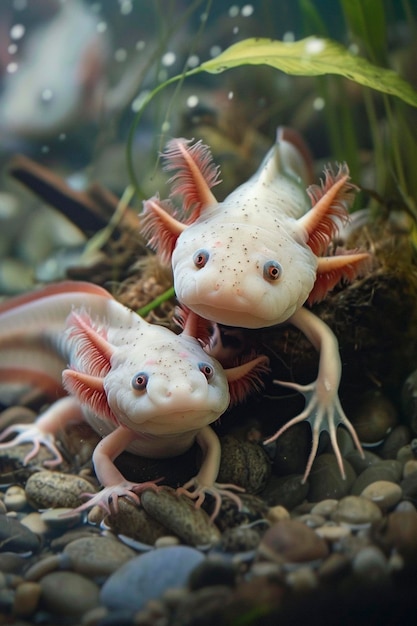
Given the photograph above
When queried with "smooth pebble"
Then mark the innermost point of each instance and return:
(97, 556)
(148, 576)
(291, 541)
(68, 593)
(384, 493)
(356, 511)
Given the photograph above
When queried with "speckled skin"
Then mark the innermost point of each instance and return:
(141, 386)
(255, 224)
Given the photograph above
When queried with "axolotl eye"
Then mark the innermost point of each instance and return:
(272, 270)
(206, 369)
(200, 258)
(139, 381)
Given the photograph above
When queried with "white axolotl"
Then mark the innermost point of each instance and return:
(139, 385)
(256, 258)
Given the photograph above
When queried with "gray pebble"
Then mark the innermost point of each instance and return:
(243, 463)
(370, 565)
(14, 537)
(361, 463)
(389, 470)
(325, 507)
(239, 539)
(132, 521)
(15, 498)
(47, 489)
(148, 576)
(356, 511)
(287, 491)
(374, 417)
(180, 516)
(326, 481)
(410, 467)
(68, 593)
(97, 556)
(399, 436)
(291, 541)
(409, 487)
(384, 493)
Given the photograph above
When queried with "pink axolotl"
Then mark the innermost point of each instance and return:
(140, 386)
(256, 258)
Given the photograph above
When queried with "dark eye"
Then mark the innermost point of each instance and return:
(200, 258)
(206, 369)
(139, 381)
(272, 270)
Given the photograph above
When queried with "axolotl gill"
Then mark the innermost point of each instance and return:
(142, 387)
(256, 258)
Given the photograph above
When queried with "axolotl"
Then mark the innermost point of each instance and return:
(255, 259)
(142, 387)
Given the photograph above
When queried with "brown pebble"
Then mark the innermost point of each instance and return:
(243, 463)
(97, 556)
(356, 511)
(291, 541)
(26, 599)
(180, 516)
(68, 593)
(384, 493)
(47, 489)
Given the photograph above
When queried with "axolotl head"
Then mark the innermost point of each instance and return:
(252, 272)
(168, 387)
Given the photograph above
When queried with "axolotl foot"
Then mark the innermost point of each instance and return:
(108, 498)
(196, 491)
(30, 433)
(323, 415)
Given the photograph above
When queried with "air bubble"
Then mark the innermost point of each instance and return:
(192, 101)
(247, 10)
(17, 31)
(168, 59)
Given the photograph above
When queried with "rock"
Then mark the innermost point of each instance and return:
(15, 498)
(239, 539)
(68, 593)
(132, 521)
(212, 571)
(398, 531)
(384, 493)
(409, 401)
(148, 576)
(374, 417)
(243, 463)
(326, 481)
(97, 556)
(14, 537)
(389, 470)
(291, 541)
(325, 507)
(361, 463)
(26, 599)
(399, 436)
(370, 565)
(47, 489)
(253, 508)
(356, 511)
(180, 516)
(287, 491)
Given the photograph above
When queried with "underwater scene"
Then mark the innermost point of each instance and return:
(208, 312)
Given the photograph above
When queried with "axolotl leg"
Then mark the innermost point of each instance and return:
(43, 431)
(205, 481)
(114, 483)
(323, 409)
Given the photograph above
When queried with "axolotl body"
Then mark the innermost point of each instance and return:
(142, 387)
(255, 259)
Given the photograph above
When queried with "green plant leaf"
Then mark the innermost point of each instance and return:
(312, 56)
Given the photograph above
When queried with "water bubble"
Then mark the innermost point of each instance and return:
(319, 104)
(234, 11)
(120, 55)
(101, 27)
(45, 149)
(192, 101)
(193, 60)
(20, 5)
(288, 36)
(126, 7)
(315, 45)
(62, 136)
(17, 31)
(140, 45)
(354, 48)
(12, 49)
(247, 10)
(168, 59)
(139, 101)
(230, 95)
(47, 95)
(165, 126)
(215, 51)
(235, 30)
(11, 67)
